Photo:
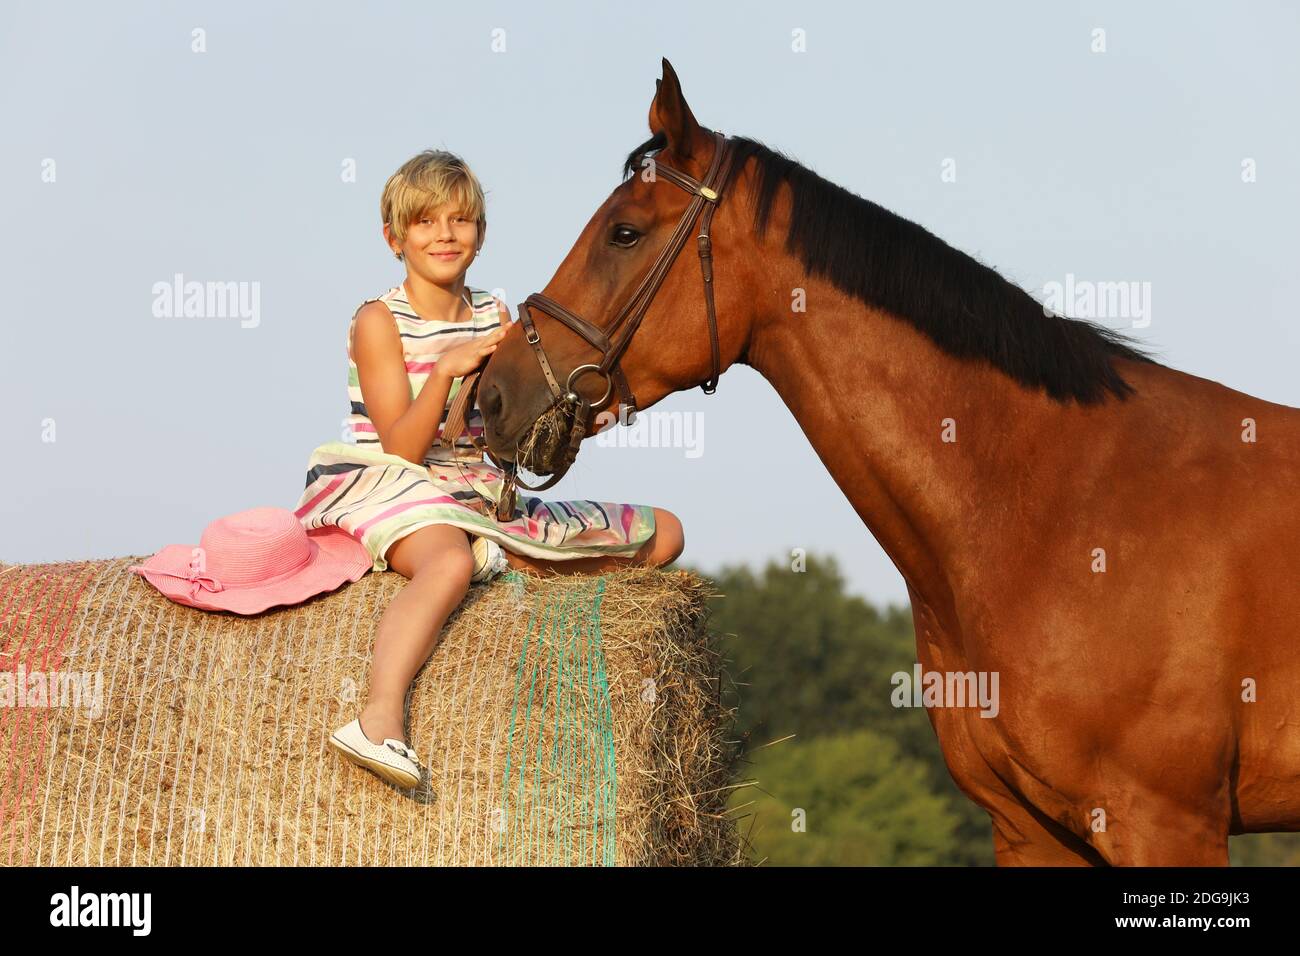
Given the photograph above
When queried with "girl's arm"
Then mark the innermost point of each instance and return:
(505, 313)
(406, 428)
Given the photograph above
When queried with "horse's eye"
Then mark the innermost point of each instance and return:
(625, 236)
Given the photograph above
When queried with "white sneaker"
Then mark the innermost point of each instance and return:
(392, 760)
(489, 559)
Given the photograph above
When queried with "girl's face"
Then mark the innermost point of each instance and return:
(441, 243)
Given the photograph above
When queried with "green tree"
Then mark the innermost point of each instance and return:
(1265, 849)
(846, 800)
(808, 659)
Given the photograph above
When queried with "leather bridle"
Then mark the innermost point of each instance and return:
(612, 343)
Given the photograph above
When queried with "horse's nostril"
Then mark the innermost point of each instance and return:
(489, 401)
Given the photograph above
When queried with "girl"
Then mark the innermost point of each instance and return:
(422, 508)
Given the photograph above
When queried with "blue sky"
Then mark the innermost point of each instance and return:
(225, 165)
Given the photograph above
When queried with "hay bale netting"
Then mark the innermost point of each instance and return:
(564, 720)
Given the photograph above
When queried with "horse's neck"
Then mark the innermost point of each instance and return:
(877, 399)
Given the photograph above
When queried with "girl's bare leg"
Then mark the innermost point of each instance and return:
(664, 547)
(438, 561)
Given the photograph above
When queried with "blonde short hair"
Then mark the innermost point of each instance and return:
(426, 181)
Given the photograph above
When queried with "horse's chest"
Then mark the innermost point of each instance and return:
(962, 703)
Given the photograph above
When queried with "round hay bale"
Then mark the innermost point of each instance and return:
(564, 720)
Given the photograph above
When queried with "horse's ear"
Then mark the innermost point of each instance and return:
(670, 115)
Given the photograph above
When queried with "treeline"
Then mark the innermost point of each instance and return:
(860, 782)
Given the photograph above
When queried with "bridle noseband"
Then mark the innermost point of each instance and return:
(613, 343)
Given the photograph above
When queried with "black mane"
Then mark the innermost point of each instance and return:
(965, 307)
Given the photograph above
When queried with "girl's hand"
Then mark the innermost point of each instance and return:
(468, 356)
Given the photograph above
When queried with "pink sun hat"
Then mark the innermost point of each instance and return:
(255, 559)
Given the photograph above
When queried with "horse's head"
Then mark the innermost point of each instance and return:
(625, 320)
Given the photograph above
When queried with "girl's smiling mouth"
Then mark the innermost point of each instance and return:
(445, 255)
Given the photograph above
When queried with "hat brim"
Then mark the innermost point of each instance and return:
(337, 558)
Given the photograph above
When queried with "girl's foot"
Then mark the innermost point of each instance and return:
(377, 728)
(489, 559)
(392, 760)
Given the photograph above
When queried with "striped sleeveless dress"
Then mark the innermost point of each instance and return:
(379, 498)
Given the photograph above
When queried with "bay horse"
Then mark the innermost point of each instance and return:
(1118, 541)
